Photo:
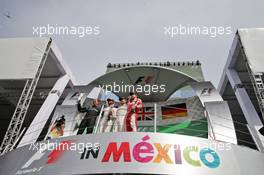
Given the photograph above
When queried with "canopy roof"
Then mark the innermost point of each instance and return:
(252, 41)
(19, 61)
(143, 76)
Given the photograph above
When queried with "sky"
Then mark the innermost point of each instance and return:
(133, 30)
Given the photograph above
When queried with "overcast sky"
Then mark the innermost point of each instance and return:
(132, 31)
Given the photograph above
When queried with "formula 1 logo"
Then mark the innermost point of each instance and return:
(57, 151)
(206, 92)
(145, 79)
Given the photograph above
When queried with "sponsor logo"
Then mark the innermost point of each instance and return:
(206, 91)
(51, 158)
(145, 79)
(145, 152)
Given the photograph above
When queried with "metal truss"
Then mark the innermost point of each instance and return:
(20, 112)
(258, 86)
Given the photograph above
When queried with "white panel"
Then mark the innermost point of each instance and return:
(45, 111)
(253, 43)
(72, 98)
(221, 121)
(20, 57)
(206, 92)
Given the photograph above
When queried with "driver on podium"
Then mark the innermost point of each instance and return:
(108, 122)
(134, 105)
(121, 114)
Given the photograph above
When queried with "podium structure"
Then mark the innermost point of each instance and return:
(185, 125)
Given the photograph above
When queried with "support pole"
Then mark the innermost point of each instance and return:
(98, 119)
(155, 118)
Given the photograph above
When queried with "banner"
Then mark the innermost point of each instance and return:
(141, 153)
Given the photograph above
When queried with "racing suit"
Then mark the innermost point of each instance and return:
(121, 115)
(133, 109)
(108, 120)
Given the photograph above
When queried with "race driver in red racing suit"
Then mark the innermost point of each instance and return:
(134, 105)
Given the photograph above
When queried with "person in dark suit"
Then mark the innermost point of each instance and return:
(92, 112)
